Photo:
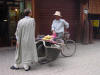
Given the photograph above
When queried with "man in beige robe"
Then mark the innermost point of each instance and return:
(26, 52)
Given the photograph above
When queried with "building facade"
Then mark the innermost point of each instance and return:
(43, 10)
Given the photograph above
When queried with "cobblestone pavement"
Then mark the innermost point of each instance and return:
(86, 61)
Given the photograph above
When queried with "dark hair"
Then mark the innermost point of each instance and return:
(27, 11)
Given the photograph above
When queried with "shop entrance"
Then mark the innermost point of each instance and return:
(95, 21)
(9, 16)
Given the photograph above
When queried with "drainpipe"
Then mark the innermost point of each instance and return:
(84, 22)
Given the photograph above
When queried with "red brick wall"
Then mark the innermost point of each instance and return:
(94, 6)
(70, 10)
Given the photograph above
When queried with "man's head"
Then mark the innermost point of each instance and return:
(57, 15)
(27, 12)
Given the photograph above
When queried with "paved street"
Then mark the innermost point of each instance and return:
(86, 61)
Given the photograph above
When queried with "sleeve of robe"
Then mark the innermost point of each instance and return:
(18, 32)
(34, 28)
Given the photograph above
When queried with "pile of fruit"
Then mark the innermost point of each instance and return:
(48, 38)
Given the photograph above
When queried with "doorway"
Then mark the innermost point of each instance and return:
(70, 10)
(9, 16)
(95, 20)
(4, 25)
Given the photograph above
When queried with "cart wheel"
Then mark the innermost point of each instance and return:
(69, 48)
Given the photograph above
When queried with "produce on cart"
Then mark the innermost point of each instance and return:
(47, 48)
